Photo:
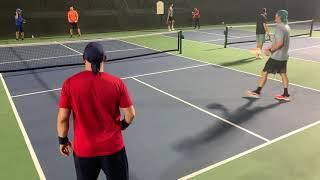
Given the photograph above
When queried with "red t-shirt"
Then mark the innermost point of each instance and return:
(196, 13)
(95, 101)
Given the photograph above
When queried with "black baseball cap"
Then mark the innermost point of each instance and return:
(94, 53)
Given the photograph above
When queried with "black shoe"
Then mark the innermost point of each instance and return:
(17, 39)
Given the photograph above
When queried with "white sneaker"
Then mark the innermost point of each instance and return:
(253, 94)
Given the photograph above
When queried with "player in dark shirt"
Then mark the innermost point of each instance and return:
(19, 24)
(261, 30)
(170, 19)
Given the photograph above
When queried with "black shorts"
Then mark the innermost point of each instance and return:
(74, 25)
(171, 18)
(273, 66)
(114, 166)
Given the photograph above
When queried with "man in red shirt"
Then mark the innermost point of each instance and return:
(73, 19)
(95, 99)
(196, 17)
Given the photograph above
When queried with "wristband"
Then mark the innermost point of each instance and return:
(64, 140)
(124, 125)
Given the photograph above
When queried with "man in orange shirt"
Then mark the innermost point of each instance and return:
(73, 18)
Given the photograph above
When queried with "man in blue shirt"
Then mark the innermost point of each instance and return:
(19, 22)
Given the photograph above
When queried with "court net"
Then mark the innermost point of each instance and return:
(66, 54)
(247, 33)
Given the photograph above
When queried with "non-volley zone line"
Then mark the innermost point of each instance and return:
(135, 76)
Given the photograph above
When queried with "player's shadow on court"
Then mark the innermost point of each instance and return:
(239, 62)
(240, 115)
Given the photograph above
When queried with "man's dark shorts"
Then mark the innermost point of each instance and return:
(274, 66)
(171, 18)
(74, 26)
(114, 166)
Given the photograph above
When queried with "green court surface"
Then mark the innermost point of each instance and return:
(234, 58)
(16, 162)
(295, 157)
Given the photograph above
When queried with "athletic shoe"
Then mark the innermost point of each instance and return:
(253, 94)
(173, 29)
(282, 98)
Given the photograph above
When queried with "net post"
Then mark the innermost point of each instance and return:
(226, 31)
(180, 42)
(311, 29)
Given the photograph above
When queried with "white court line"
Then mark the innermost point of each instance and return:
(234, 37)
(172, 70)
(24, 132)
(38, 92)
(38, 59)
(309, 47)
(202, 110)
(121, 50)
(69, 48)
(141, 75)
(301, 59)
(224, 67)
(248, 151)
(290, 57)
(203, 32)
